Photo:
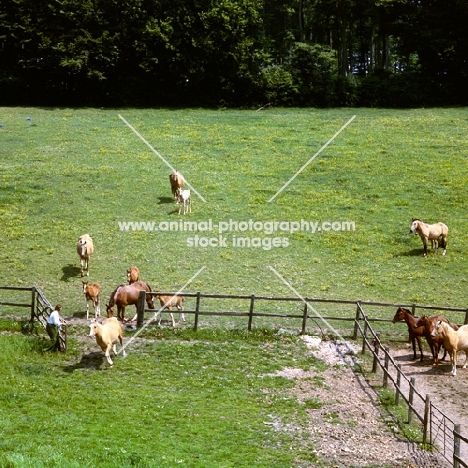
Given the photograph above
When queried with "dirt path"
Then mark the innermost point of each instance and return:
(349, 429)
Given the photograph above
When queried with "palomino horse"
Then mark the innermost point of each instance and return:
(435, 342)
(84, 248)
(126, 295)
(454, 341)
(437, 233)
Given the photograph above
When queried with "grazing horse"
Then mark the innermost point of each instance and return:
(85, 248)
(415, 333)
(125, 295)
(133, 274)
(167, 302)
(92, 292)
(454, 341)
(177, 181)
(436, 233)
(435, 342)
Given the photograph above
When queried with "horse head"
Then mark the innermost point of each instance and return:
(414, 225)
(400, 314)
(110, 310)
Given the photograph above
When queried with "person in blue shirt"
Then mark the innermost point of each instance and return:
(54, 325)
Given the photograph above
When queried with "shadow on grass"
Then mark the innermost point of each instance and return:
(165, 200)
(88, 361)
(412, 253)
(70, 271)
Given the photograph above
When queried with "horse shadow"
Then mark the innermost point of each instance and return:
(165, 200)
(70, 271)
(412, 253)
(90, 361)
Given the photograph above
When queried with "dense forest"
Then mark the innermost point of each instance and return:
(391, 53)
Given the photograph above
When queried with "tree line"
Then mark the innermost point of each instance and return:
(390, 53)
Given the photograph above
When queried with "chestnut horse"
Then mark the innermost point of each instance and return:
(436, 233)
(415, 333)
(126, 295)
(167, 302)
(435, 342)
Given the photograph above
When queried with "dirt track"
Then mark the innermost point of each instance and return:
(349, 429)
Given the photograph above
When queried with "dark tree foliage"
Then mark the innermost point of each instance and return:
(233, 52)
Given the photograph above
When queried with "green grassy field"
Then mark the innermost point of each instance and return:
(65, 172)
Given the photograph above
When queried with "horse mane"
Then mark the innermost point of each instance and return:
(111, 299)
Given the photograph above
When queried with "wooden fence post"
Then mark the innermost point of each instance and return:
(33, 304)
(358, 317)
(410, 399)
(466, 317)
(304, 317)
(197, 309)
(427, 408)
(363, 350)
(413, 309)
(141, 308)
(251, 310)
(456, 445)
(385, 374)
(398, 382)
(376, 353)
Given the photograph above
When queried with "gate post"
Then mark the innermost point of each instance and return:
(141, 308)
(398, 382)
(33, 304)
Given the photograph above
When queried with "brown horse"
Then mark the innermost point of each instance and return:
(436, 233)
(167, 302)
(437, 341)
(415, 333)
(125, 295)
(133, 274)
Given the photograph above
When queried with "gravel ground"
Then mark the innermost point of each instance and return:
(349, 429)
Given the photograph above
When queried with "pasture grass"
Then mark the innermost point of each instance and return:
(208, 401)
(202, 399)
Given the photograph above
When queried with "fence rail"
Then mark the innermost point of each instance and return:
(439, 430)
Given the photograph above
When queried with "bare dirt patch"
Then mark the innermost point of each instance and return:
(348, 427)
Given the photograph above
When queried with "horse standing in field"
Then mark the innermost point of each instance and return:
(437, 233)
(177, 181)
(125, 295)
(84, 248)
(167, 302)
(92, 292)
(133, 274)
(107, 334)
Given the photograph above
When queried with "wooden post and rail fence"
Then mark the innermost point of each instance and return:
(439, 430)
